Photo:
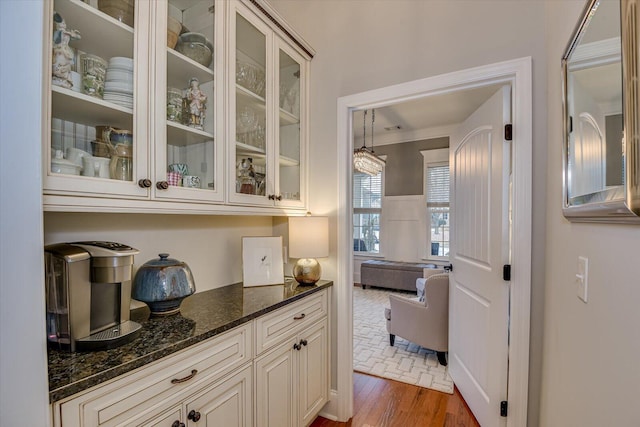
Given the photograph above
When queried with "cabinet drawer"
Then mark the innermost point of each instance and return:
(288, 321)
(140, 392)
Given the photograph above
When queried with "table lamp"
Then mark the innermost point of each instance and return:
(308, 240)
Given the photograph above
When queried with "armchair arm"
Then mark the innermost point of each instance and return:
(412, 320)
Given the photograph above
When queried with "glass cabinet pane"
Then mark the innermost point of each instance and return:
(190, 94)
(251, 121)
(92, 89)
(289, 103)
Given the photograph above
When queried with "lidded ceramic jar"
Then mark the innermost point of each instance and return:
(162, 283)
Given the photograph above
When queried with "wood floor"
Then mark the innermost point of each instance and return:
(379, 402)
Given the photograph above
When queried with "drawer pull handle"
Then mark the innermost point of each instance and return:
(299, 317)
(187, 378)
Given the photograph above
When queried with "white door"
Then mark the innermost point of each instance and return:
(479, 297)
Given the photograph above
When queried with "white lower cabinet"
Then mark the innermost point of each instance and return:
(220, 382)
(292, 379)
(292, 362)
(160, 393)
(227, 403)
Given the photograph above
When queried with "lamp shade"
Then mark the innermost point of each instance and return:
(309, 237)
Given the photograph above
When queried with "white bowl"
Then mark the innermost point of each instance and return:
(64, 166)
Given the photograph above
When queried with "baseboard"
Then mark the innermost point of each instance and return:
(330, 410)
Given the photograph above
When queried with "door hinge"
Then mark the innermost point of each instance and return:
(503, 408)
(448, 268)
(508, 132)
(506, 272)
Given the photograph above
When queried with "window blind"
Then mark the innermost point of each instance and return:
(367, 191)
(438, 186)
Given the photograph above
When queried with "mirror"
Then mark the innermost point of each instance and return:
(599, 109)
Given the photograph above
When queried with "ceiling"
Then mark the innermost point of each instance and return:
(420, 114)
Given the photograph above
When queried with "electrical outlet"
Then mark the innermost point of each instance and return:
(582, 278)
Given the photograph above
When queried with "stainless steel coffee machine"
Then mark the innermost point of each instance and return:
(88, 289)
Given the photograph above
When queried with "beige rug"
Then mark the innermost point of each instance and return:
(372, 354)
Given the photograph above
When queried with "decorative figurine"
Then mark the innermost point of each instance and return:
(195, 103)
(63, 56)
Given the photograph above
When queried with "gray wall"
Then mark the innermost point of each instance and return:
(404, 171)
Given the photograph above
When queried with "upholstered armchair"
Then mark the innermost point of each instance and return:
(423, 321)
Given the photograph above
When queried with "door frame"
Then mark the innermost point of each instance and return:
(516, 72)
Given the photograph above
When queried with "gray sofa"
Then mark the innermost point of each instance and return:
(392, 274)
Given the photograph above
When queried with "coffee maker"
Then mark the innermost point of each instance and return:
(88, 291)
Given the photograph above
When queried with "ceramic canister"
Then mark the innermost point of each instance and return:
(162, 283)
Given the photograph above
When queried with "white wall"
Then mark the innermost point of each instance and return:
(210, 245)
(590, 373)
(367, 45)
(23, 365)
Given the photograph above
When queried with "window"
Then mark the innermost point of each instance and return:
(437, 203)
(367, 210)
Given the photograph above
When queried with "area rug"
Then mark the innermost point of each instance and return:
(372, 354)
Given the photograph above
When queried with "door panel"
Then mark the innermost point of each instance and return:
(479, 298)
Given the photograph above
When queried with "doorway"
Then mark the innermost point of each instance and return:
(516, 73)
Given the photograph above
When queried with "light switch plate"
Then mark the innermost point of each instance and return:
(582, 278)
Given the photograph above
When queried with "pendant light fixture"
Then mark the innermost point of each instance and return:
(364, 159)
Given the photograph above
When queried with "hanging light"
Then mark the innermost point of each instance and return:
(364, 159)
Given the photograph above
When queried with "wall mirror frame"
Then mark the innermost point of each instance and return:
(600, 115)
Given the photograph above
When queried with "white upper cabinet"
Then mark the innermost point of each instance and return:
(268, 79)
(188, 131)
(147, 99)
(98, 88)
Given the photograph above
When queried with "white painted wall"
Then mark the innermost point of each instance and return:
(367, 45)
(210, 245)
(23, 365)
(590, 373)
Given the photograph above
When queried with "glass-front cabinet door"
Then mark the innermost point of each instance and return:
(268, 81)
(291, 81)
(251, 174)
(96, 129)
(188, 157)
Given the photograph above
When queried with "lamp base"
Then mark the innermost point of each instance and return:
(306, 271)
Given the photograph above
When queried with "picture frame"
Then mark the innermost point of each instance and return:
(262, 262)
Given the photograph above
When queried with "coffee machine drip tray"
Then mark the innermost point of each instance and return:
(111, 337)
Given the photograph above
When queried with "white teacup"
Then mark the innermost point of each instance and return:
(76, 155)
(96, 166)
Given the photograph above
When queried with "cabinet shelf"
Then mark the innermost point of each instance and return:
(246, 98)
(258, 155)
(180, 69)
(180, 135)
(286, 118)
(93, 26)
(80, 108)
(243, 149)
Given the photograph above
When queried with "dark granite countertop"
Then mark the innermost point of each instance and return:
(202, 315)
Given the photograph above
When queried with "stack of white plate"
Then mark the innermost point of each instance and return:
(118, 88)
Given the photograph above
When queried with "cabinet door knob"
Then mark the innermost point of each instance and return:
(279, 197)
(296, 346)
(194, 416)
(144, 183)
(303, 343)
(162, 185)
(177, 423)
(272, 196)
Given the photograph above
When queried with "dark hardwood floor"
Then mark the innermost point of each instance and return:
(379, 402)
